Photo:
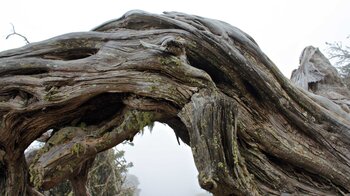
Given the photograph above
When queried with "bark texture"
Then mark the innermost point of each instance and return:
(318, 76)
(252, 132)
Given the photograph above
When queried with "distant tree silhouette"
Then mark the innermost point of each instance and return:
(341, 54)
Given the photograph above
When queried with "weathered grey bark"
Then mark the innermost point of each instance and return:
(79, 180)
(318, 76)
(251, 131)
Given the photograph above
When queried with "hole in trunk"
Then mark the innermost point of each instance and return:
(18, 97)
(71, 54)
(101, 107)
(312, 86)
(25, 71)
(201, 63)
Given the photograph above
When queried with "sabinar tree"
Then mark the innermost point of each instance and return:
(107, 176)
(340, 53)
(252, 132)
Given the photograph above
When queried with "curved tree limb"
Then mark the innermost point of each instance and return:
(252, 132)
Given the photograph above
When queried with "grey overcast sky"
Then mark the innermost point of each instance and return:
(282, 29)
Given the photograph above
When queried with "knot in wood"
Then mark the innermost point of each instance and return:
(174, 46)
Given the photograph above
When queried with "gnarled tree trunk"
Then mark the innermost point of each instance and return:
(252, 132)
